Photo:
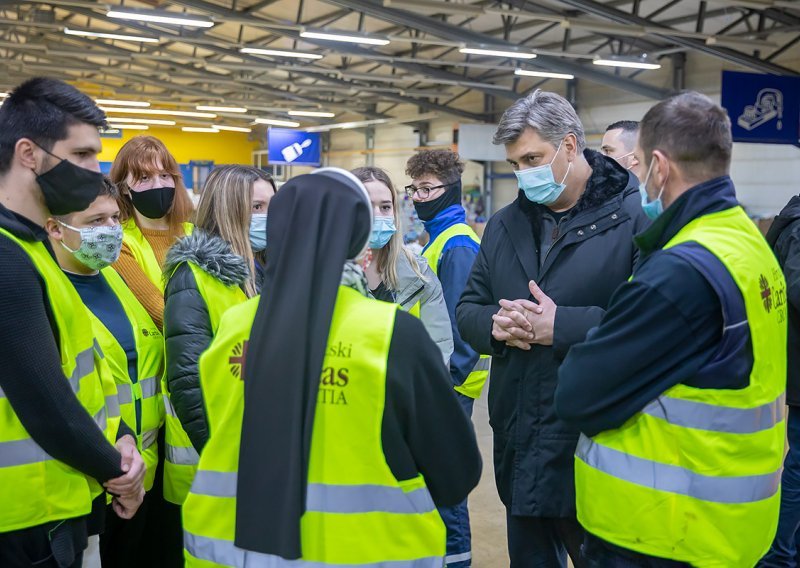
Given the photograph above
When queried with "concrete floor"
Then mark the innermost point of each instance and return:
(487, 514)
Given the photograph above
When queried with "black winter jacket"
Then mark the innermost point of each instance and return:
(187, 325)
(784, 238)
(578, 263)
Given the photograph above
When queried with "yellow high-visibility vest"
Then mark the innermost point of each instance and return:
(473, 384)
(35, 488)
(695, 475)
(357, 512)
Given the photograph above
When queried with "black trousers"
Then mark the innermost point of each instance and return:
(600, 554)
(537, 542)
(58, 544)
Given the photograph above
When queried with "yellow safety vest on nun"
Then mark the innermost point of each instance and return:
(473, 384)
(357, 513)
(180, 456)
(35, 488)
(695, 475)
(150, 369)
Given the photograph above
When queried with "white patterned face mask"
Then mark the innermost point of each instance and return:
(100, 246)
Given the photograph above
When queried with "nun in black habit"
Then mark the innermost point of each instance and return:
(320, 223)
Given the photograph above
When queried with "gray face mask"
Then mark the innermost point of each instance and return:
(100, 246)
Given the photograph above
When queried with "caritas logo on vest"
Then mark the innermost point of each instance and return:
(336, 376)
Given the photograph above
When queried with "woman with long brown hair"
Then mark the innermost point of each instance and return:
(206, 273)
(395, 274)
(154, 209)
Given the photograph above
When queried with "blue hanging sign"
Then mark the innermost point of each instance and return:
(294, 147)
(762, 108)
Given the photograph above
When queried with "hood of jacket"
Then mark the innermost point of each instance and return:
(212, 254)
(786, 217)
(409, 283)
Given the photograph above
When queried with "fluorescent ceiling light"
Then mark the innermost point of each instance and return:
(271, 122)
(121, 103)
(161, 112)
(130, 126)
(153, 121)
(627, 63)
(280, 53)
(497, 53)
(220, 108)
(200, 129)
(110, 36)
(311, 113)
(344, 37)
(546, 74)
(347, 125)
(160, 18)
(232, 128)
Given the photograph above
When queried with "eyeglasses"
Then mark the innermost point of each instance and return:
(424, 192)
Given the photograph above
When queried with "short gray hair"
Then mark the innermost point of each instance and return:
(549, 114)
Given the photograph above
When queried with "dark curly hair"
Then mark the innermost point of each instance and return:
(444, 164)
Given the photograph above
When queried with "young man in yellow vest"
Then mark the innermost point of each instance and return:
(86, 243)
(679, 392)
(54, 453)
(436, 191)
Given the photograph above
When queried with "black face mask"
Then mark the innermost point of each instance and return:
(153, 203)
(428, 210)
(68, 188)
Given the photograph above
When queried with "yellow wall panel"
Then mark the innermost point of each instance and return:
(222, 148)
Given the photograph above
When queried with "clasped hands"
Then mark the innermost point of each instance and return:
(128, 489)
(520, 323)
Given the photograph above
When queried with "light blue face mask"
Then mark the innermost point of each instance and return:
(382, 230)
(258, 231)
(539, 184)
(653, 209)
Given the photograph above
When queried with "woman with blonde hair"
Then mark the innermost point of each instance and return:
(206, 273)
(154, 209)
(394, 273)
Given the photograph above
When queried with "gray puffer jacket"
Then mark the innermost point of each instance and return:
(428, 293)
(188, 330)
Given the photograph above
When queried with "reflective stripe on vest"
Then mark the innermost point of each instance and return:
(674, 479)
(475, 381)
(330, 498)
(225, 553)
(692, 414)
(695, 475)
(149, 438)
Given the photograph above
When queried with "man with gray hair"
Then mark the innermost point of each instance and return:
(547, 267)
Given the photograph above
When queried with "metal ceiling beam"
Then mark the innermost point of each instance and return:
(424, 104)
(348, 49)
(376, 9)
(726, 54)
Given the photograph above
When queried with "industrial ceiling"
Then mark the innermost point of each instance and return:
(286, 62)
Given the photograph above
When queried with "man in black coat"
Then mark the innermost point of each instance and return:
(566, 243)
(784, 238)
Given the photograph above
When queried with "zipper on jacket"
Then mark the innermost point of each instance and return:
(556, 236)
(412, 296)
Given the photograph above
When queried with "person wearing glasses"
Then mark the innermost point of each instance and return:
(436, 191)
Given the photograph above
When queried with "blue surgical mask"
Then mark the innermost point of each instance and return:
(100, 246)
(258, 231)
(382, 230)
(653, 209)
(539, 184)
